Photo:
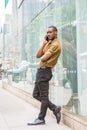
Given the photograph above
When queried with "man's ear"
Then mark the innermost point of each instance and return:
(55, 32)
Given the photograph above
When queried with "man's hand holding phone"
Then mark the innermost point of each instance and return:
(45, 41)
(40, 51)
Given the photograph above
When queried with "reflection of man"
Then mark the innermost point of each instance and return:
(49, 53)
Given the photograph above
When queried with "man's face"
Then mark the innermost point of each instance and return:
(51, 33)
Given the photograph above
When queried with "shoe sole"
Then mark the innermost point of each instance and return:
(36, 124)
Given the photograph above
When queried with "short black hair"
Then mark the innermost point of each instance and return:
(53, 28)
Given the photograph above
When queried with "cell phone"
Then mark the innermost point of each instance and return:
(47, 38)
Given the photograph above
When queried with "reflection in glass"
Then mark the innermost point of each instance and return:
(35, 16)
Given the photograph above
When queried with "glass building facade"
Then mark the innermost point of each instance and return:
(27, 27)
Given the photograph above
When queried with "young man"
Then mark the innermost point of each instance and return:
(49, 53)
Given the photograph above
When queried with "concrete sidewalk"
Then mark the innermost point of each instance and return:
(15, 113)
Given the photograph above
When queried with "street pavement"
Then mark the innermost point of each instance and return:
(15, 113)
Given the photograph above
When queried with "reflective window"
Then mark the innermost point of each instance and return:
(28, 26)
